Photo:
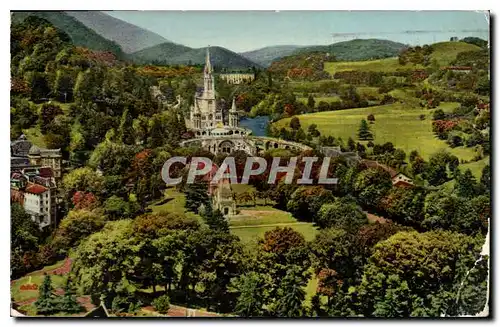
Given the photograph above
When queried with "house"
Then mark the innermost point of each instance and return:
(38, 204)
(401, 180)
(398, 178)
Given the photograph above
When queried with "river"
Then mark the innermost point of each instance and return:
(257, 125)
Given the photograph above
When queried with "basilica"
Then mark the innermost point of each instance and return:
(206, 117)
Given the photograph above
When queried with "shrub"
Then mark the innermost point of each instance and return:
(162, 304)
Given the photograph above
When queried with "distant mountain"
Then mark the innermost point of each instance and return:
(265, 56)
(80, 34)
(159, 53)
(171, 53)
(359, 49)
(130, 37)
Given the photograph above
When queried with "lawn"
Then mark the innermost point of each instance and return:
(476, 167)
(379, 65)
(396, 123)
(261, 215)
(175, 202)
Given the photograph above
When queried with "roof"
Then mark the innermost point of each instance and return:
(374, 164)
(100, 312)
(36, 189)
(34, 150)
(403, 183)
(45, 172)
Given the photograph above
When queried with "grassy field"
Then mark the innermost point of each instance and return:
(396, 123)
(175, 204)
(476, 167)
(379, 65)
(444, 53)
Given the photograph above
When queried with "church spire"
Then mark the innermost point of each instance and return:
(208, 65)
(233, 107)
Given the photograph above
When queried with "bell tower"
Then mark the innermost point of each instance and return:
(233, 115)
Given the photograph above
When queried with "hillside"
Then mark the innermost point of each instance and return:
(171, 53)
(265, 56)
(445, 53)
(131, 38)
(305, 66)
(80, 34)
(159, 53)
(359, 49)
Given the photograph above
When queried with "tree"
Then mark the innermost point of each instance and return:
(364, 131)
(106, 261)
(216, 220)
(295, 123)
(342, 214)
(415, 274)
(291, 294)
(162, 304)
(310, 102)
(313, 130)
(196, 195)
(77, 225)
(253, 289)
(486, 178)
(438, 115)
(306, 201)
(67, 302)
(116, 207)
(371, 185)
(45, 304)
(25, 237)
(48, 113)
(82, 179)
(466, 185)
(281, 241)
(371, 118)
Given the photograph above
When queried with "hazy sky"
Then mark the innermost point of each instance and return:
(249, 30)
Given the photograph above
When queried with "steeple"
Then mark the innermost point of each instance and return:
(208, 65)
(233, 107)
(233, 115)
(208, 79)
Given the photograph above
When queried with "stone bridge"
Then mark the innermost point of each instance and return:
(252, 145)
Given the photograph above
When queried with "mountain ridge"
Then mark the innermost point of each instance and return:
(176, 54)
(130, 37)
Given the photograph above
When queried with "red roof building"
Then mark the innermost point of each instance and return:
(36, 189)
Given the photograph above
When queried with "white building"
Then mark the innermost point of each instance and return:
(38, 204)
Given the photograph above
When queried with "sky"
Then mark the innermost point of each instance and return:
(242, 31)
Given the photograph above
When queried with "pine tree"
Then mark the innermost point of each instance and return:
(45, 304)
(364, 131)
(215, 220)
(67, 303)
(291, 294)
(310, 102)
(196, 195)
